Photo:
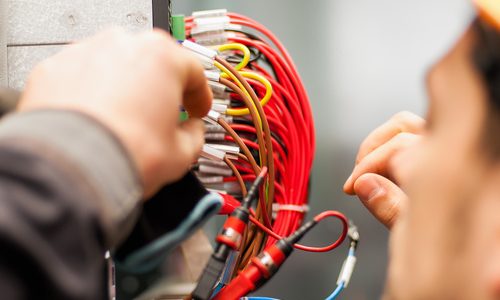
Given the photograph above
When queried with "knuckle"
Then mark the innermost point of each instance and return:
(403, 138)
(406, 121)
(42, 68)
(158, 37)
(114, 33)
(390, 215)
(403, 116)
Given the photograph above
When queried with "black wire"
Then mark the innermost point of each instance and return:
(255, 55)
(248, 34)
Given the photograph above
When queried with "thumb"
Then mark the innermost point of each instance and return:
(190, 140)
(182, 152)
(381, 197)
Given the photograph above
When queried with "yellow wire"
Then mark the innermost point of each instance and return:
(236, 46)
(263, 101)
(226, 73)
(245, 111)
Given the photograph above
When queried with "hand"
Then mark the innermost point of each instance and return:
(375, 176)
(134, 85)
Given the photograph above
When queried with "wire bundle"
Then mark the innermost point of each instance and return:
(271, 120)
(260, 121)
(261, 117)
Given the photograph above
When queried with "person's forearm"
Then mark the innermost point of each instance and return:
(68, 193)
(91, 153)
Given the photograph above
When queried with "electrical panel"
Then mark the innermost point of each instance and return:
(31, 30)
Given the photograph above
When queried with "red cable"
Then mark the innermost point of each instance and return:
(318, 218)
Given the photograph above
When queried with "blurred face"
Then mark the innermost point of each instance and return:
(446, 245)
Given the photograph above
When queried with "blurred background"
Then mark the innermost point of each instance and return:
(361, 61)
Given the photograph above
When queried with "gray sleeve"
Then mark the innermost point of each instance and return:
(92, 151)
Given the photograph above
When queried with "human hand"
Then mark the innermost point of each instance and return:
(134, 85)
(375, 176)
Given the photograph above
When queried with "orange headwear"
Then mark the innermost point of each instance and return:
(489, 11)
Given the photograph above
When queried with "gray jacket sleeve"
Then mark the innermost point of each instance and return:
(68, 192)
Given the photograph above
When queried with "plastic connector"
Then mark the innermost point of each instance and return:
(215, 170)
(219, 90)
(209, 13)
(215, 136)
(230, 151)
(226, 148)
(350, 262)
(216, 128)
(212, 153)
(212, 117)
(210, 38)
(199, 49)
(353, 235)
(204, 32)
(214, 163)
(212, 75)
(225, 102)
(220, 108)
(208, 63)
(347, 270)
(178, 27)
(214, 21)
(210, 179)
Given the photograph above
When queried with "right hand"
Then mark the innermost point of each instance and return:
(134, 85)
(375, 176)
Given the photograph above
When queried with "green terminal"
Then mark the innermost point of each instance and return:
(178, 27)
(183, 116)
(179, 33)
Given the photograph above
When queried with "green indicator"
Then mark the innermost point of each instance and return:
(178, 27)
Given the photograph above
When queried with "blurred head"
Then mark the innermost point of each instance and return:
(449, 235)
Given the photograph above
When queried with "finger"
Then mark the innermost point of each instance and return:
(378, 160)
(196, 93)
(400, 122)
(197, 98)
(190, 140)
(381, 197)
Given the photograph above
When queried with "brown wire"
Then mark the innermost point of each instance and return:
(250, 243)
(242, 156)
(253, 245)
(237, 174)
(265, 127)
(247, 247)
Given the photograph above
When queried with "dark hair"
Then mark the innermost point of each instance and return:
(486, 59)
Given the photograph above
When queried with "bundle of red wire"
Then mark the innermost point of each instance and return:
(289, 116)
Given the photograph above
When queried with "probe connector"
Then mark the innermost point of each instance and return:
(263, 267)
(229, 239)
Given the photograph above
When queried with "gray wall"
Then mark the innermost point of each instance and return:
(361, 61)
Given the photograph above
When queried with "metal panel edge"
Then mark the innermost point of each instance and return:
(3, 43)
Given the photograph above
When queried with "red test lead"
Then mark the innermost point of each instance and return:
(229, 239)
(263, 267)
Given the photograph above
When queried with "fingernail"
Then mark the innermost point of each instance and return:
(369, 189)
(347, 182)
